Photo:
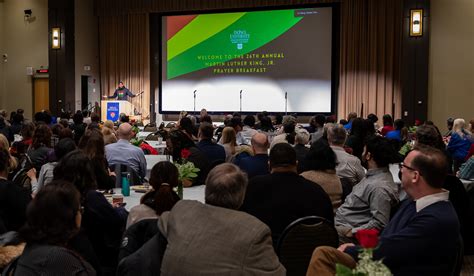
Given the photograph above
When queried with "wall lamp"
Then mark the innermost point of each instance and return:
(416, 22)
(56, 38)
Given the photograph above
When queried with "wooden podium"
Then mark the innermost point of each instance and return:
(111, 110)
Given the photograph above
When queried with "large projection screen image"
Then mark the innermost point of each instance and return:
(250, 61)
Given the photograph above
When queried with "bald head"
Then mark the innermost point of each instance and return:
(260, 143)
(125, 131)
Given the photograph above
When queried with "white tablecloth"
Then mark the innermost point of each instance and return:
(192, 193)
(151, 160)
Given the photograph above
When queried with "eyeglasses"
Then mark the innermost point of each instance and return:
(402, 165)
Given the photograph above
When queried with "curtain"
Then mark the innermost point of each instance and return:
(124, 56)
(370, 47)
(370, 53)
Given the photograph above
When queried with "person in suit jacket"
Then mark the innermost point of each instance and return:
(283, 196)
(214, 238)
(423, 236)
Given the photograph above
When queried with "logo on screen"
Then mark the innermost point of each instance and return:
(239, 37)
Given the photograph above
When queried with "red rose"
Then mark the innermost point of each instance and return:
(368, 238)
(185, 153)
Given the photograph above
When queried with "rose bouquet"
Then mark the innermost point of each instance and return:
(368, 239)
(187, 171)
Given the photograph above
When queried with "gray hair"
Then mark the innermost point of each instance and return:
(225, 186)
(302, 136)
(337, 135)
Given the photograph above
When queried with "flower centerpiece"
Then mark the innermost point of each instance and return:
(187, 171)
(368, 239)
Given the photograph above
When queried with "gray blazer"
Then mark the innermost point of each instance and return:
(210, 240)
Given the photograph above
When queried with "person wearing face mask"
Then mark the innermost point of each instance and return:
(369, 204)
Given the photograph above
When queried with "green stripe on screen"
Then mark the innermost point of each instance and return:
(201, 28)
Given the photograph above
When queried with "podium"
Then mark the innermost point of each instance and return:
(111, 110)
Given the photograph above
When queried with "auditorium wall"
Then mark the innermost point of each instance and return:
(26, 44)
(451, 67)
(86, 50)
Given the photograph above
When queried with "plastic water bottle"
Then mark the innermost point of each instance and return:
(126, 184)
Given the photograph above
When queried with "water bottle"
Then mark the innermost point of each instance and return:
(126, 184)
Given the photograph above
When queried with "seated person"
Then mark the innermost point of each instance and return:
(370, 202)
(283, 196)
(301, 140)
(177, 143)
(423, 236)
(103, 224)
(212, 238)
(258, 163)
(213, 151)
(348, 166)
(125, 153)
(53, 218)
(466, 171)
(163, 179)
(13, 199)
(321, 164)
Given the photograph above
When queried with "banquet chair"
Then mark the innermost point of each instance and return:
(153, 137)
(298, 241)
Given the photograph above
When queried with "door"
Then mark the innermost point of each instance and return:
(41, 94)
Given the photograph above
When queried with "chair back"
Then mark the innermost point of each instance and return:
(298, 241)
(151, 127)
(120, 169)
(152, 137)
(347, 185)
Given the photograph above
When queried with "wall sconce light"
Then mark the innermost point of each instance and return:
(56, 38)
(416, 22)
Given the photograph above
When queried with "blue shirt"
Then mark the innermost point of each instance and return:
(394, 135)
(125, 153)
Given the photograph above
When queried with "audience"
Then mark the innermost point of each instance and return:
(459, 144)
(348, 166)
(53, 218)
(423, 236)
(13, 199)
(369, 204)
(248, 130)
(214, 152)
(283, 196)
(256, 164)
(92, 144)
(319, 121)
(350, 117)
(387, 124)
(40, 147)
(321, 165)
(301, 140)
(163, 232)
(124, 153)
(63, 147)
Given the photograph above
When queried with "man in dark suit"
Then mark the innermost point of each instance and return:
(215, 153)
(284, 196)
(258, 163)
(423, 236)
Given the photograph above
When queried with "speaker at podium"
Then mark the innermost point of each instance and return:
(111, 110)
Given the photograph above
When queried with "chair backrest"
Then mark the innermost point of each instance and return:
(118, 169)
(150, 128)
(347, 185)
(152, 137)
(298, 241)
